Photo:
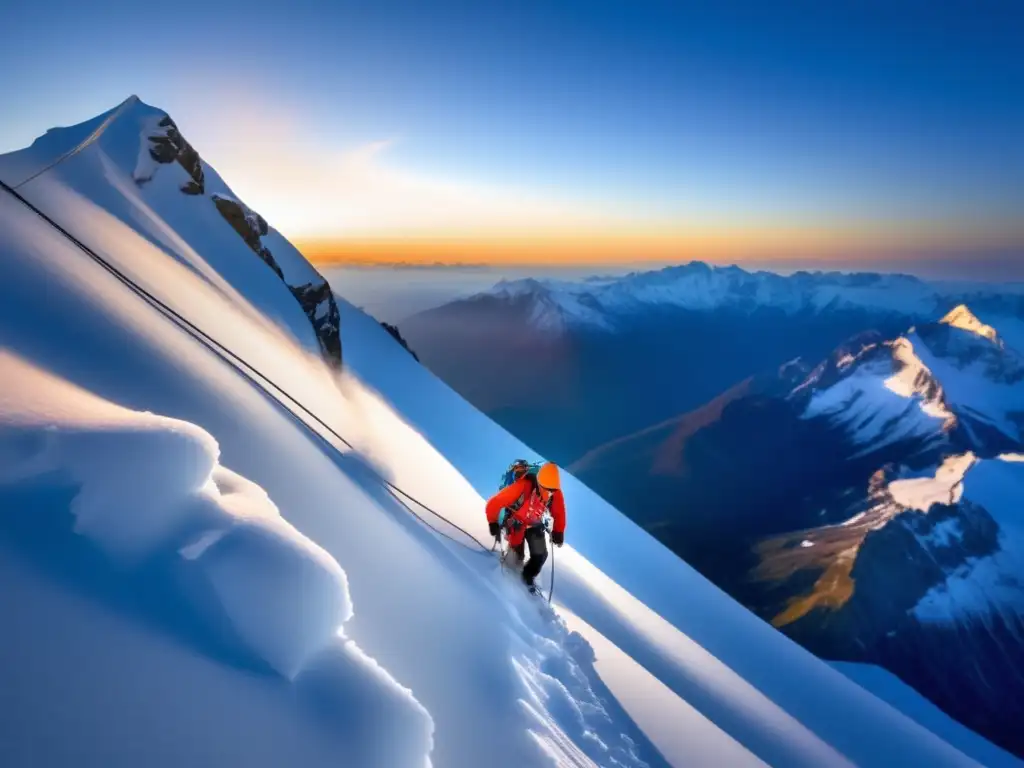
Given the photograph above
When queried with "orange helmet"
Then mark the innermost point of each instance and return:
(547, 477)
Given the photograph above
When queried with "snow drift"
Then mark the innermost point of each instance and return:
(148, 486)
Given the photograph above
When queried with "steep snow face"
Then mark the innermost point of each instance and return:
(994, 584)
(597, 302)
(881, 395)
(938, 378)
(216, 562)
(982, 378)
(961, 317)
(135, 164)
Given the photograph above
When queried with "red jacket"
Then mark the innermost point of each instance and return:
(522, 488)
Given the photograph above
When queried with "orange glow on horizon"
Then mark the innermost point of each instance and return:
(796, 244)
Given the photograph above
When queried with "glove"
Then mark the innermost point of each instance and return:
(558, 538)
(495, 530)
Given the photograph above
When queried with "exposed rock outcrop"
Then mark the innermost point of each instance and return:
(169, 146)
(310, 289)
(393, 330)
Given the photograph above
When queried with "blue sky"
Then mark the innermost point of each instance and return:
(852, 125)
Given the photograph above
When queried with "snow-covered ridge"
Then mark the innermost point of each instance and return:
(137, 142)
(882, 395)
(595, 302)
(989, 585)
(961, 317)
(938, 378)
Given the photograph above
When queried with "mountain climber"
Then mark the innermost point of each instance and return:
(519, 509)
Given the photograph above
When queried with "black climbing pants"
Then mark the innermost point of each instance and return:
(538, 544)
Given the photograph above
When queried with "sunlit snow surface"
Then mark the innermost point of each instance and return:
(173, 537)
(882, 399)
(994, 583)
(946, 487)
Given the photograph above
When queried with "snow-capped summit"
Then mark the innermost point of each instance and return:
(923, 386)
(134, 163)
(550, 305)
(962, 317)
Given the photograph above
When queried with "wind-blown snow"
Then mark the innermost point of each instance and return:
(290, 611)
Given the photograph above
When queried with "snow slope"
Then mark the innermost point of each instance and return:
(243, 588)
(957, 374)
(883, 395)
(91, 181)
(993, 584)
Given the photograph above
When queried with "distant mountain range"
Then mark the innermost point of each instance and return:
(844, 454)
(870, 506)
(571, 365)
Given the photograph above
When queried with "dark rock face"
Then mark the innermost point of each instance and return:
(170, 147)
(250, 225)
(318, 303)
(973, 669)
(969, 667)
(315, 297)
(393, 330)
(895, 567)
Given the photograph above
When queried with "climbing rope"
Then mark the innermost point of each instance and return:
(249, 372)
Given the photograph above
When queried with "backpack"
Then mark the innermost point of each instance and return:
(515, 471)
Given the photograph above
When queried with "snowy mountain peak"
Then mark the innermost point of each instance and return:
(938, 378)
(551, 305)
(879, 393)
(135, 162)
(700, 286)
(962, 317)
